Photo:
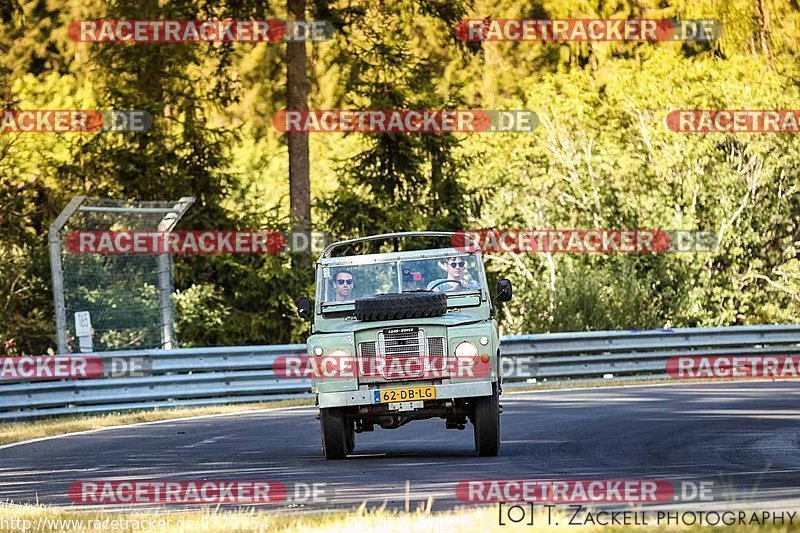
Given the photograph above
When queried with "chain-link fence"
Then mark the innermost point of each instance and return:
(128, 297)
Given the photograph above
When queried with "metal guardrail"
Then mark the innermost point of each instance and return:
(223, 375)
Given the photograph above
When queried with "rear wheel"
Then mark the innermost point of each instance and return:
(334, 432)
(487, 424)
(351, 436)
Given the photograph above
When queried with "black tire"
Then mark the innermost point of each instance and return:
(423, 304)
(486, 420)
(333, 425)
(351, 437)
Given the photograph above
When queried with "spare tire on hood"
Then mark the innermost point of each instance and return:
(420, 304)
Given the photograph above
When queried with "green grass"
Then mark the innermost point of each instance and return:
(467, 520)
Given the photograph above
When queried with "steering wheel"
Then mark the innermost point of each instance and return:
(443, 281)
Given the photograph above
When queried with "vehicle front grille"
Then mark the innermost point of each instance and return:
(436, 346)
(400, 354)
(436, 355)
(367, 349)
(403, 352)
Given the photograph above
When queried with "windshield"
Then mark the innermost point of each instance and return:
(450, 275)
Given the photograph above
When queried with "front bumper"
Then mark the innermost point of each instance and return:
(367, 396)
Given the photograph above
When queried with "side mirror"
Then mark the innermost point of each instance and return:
(305, 308)
(503, 290)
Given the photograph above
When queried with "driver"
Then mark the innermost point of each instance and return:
(456, 268)
(343, 285)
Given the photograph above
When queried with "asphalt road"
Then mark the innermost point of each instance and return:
(743, 437)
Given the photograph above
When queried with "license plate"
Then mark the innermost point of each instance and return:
(405, 395)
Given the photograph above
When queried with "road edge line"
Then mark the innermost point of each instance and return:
(135, 424)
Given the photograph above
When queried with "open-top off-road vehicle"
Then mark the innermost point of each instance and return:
(404, 336)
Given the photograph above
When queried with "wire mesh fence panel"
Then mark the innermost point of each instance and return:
(128, 296)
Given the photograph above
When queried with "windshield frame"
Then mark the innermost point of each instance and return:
(395, 257)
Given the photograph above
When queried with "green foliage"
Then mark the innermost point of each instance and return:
(399, 181)
(603, 158)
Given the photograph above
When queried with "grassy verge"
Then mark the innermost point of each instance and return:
(19, 431)
(44, 518)
(478, 520)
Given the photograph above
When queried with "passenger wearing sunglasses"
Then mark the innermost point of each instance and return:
(456, 268)
(343, 285)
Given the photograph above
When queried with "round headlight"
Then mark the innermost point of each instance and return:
(466, 352)
(318, 351)
(336, 364)
(484, 340)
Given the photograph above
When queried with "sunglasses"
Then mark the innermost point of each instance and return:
(455, 264)
(343, 281)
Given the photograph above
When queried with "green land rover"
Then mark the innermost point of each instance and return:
(404, 336)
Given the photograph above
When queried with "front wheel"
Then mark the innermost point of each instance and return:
(333, 425)
(486, 421)
(351, 436)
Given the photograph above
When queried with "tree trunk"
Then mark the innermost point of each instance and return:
(297, 100)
